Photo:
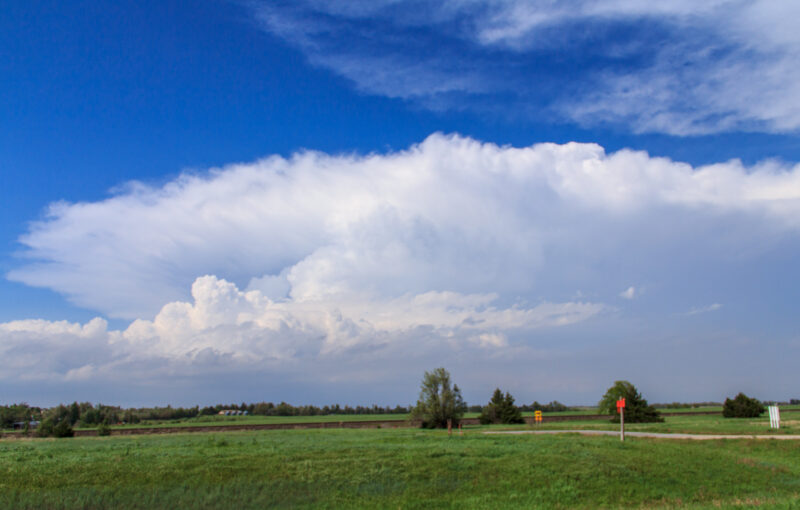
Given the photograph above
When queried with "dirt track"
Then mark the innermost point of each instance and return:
(655, 435)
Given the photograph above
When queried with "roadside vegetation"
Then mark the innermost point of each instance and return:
(398, 468)
(440, 400)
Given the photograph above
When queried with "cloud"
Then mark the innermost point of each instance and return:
(710, 308)
(628, 293)
(326, 269)
(224, 328)
(675, 68)
(448, 215)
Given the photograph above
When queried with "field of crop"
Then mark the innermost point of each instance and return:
(402, 468)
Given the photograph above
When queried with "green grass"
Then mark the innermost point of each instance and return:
(397, 468)
(217, 420)
(699, 424)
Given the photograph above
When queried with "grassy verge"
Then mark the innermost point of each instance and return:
(698, 424)
(394, 469)
(216, 420)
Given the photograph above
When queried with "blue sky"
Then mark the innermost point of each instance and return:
(315, 202)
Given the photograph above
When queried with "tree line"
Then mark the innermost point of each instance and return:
(440, 401)
(440, 404)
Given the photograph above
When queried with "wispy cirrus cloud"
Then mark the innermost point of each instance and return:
(677, 68)
(705, 309)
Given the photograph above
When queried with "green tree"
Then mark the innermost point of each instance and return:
(637, 410)
(742, 406)
(438, 400)
(74, 413)
(501, 409)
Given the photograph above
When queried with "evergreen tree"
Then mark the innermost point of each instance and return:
(501, 409)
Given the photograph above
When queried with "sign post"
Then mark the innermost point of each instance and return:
(537, 417)
(621, 409)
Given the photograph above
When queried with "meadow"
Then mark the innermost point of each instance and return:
(402, 468)
(218, 420)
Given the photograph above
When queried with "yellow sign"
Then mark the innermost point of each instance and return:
(537, 416)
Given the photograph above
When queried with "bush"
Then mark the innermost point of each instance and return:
(742, 406)
(45, 428)
(501, 409)
(637, 410)
(438, 401)
(48, 428)
(63, 429)
(104, 429)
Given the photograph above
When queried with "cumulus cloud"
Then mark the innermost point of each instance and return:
(225, 327)
(448, 215)
(673, 67)
(450, 248)
(628, 293)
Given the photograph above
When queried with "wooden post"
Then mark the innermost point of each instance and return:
(622, 423)
(460, 432)
(449, 427)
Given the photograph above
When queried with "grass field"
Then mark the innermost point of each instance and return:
(700, 424)
(397, 468)
(216, 420)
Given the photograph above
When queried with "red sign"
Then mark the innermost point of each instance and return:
(620, 403)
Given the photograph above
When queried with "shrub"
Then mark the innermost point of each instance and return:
(103, 429)
(742, 406)
(45, 428)
(637, 410)
(48, 428)
(63, 429)
(501, 409)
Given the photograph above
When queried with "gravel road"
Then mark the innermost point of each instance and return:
(658, 435)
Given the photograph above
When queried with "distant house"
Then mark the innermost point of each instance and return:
(19, 425)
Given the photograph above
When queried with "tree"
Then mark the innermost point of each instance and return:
(742, 406)
(637, 410)
(438, 401)
(501, 409)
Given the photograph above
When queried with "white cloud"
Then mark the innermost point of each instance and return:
(451, 250)
(224, 325)
(448, 215)
(671, 67)
(710, 308)
(628, 293)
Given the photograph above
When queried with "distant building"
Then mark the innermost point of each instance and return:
(19, 425)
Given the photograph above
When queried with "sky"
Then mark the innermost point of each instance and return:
(316, 202)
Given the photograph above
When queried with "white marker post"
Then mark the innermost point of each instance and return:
(774, 417)
(621, 409)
